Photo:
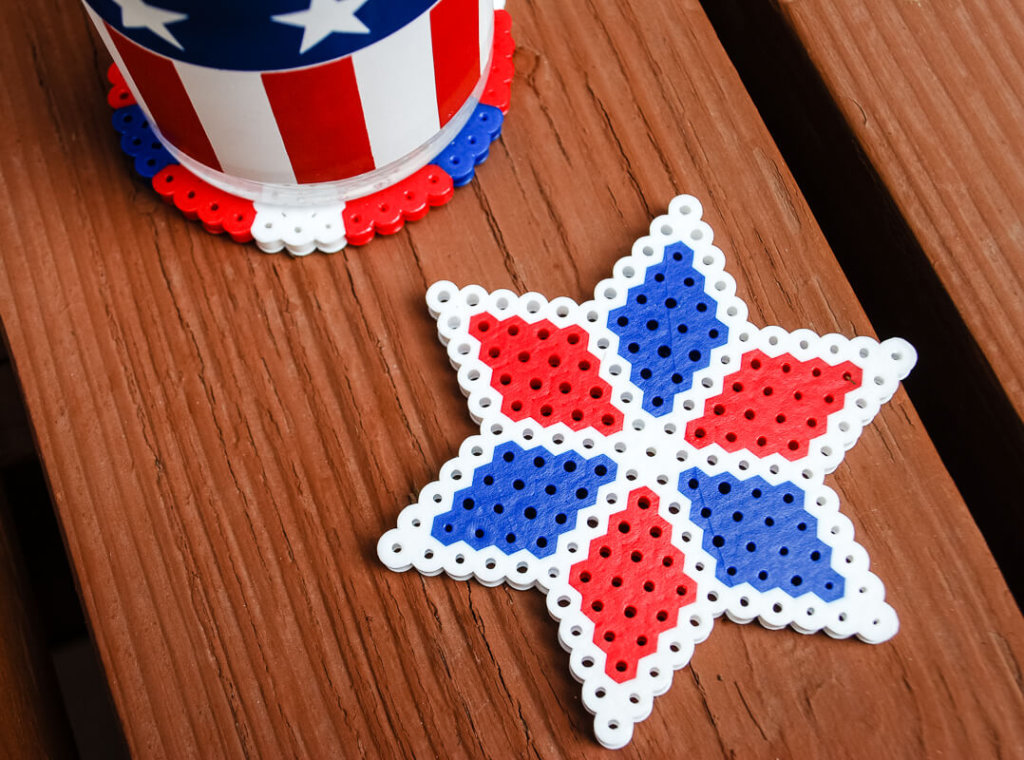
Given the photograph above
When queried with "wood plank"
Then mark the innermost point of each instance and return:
(227, 434)
(840, 114)
(935, 94)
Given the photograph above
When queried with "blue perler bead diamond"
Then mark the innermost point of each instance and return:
(667, 329)
(523, 499)
(761, 534)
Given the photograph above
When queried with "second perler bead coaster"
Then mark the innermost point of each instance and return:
(651, 460)
(327, 228)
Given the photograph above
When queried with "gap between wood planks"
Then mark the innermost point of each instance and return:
(964, 408)
(65, 688)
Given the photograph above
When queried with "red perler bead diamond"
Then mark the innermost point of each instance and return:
(774, 405)
(545, 373)
(633, 584)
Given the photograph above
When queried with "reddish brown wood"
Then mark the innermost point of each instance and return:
(934, 92)
(227, 434)
(802, 85)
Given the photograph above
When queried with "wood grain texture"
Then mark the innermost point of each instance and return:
(959, 398)
(934, 93)
(227, 433)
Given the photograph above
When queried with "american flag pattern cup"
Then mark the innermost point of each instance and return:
(301, 101)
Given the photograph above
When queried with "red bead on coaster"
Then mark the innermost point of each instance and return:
(774, 405)
(632, 585)
(545, 373)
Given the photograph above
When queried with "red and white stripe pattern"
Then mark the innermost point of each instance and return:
(320, 123)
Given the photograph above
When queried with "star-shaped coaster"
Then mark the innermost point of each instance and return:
(651, 460)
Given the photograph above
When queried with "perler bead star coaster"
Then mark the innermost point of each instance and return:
(651, 460)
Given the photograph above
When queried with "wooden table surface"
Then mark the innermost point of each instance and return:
(903, 123)
(226, 434)
(935, 94)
